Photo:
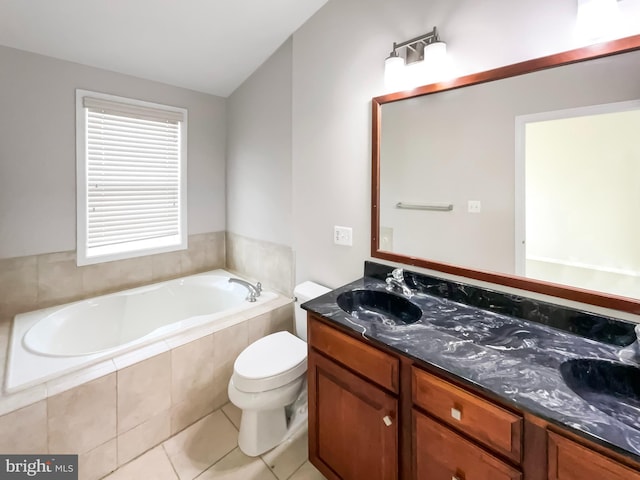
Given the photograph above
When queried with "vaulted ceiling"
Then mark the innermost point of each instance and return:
(210, 46)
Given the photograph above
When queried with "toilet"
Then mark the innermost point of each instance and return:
(269, 382)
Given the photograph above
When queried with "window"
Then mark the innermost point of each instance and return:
(131, 177)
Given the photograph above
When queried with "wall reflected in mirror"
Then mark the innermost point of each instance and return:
(540, 187)
(582, 232)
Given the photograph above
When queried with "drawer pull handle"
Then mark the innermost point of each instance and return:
(456, 414)
(387, 420)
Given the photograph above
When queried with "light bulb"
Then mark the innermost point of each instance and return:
(597, 20)
(393, 72)
(435, 52)
(436, 60)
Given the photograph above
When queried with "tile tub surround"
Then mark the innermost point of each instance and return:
(270, 263)
(50, 343)
(143, 399)
(39, 281)
(511, 359)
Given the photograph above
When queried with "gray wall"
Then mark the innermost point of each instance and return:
(338, 66)
(259, 220)
(334, 67)
(37, 149)
(259, 153)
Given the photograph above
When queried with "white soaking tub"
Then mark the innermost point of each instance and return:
(49, 343)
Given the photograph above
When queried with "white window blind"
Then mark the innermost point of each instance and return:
(133, 171)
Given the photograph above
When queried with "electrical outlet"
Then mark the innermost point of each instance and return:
(342, 235)
(474, 206)
(386, 239)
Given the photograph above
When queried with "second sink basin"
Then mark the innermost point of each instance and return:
(377, 305)
(613, 388)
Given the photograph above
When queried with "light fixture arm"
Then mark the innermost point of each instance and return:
(415, 46)
(425, 39)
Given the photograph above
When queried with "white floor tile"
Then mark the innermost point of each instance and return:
(209, 450)
(287, 457)
(238, 466)
(307, 472)
(153, 464)
(202, 444)
(233, 413)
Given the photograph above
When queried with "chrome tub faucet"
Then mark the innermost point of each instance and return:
(253, 291)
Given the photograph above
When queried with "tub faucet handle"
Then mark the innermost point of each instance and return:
(253, 291)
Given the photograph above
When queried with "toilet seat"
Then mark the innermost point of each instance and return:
(270, 362)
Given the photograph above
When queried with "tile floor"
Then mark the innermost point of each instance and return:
(208, 449)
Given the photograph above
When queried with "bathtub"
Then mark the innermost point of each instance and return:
(50, 343)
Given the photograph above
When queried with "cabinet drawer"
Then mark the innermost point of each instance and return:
(569, 460)
(441, 454)
(375, 365)
(491, 425)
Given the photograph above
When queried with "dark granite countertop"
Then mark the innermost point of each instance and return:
(511, 359)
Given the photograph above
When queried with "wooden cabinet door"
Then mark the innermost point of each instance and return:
(569, 460)
(353, 427)
(442, 454)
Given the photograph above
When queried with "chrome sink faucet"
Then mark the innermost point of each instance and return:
(396, 280)
(631, 352)
(253, 290)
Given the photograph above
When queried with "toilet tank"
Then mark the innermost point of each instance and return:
(303, 293)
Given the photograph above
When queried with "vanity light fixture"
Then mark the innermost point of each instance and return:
(423, 58)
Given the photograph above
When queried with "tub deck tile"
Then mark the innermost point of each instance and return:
(25, 430)
(144, 390)
(15, 401)
(140, 354)
(75, 379)
(89, 411)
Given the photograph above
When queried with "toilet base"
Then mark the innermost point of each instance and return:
(261, 430)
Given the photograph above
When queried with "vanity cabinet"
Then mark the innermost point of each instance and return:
(489, 424)
(375, 414)
(353, 407)
(442, 452)
(569, 460)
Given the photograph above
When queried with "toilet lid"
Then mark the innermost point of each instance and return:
(270, 362)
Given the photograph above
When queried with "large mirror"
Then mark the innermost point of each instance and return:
(526, 176)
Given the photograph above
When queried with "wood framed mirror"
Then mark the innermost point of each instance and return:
(464, 155)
